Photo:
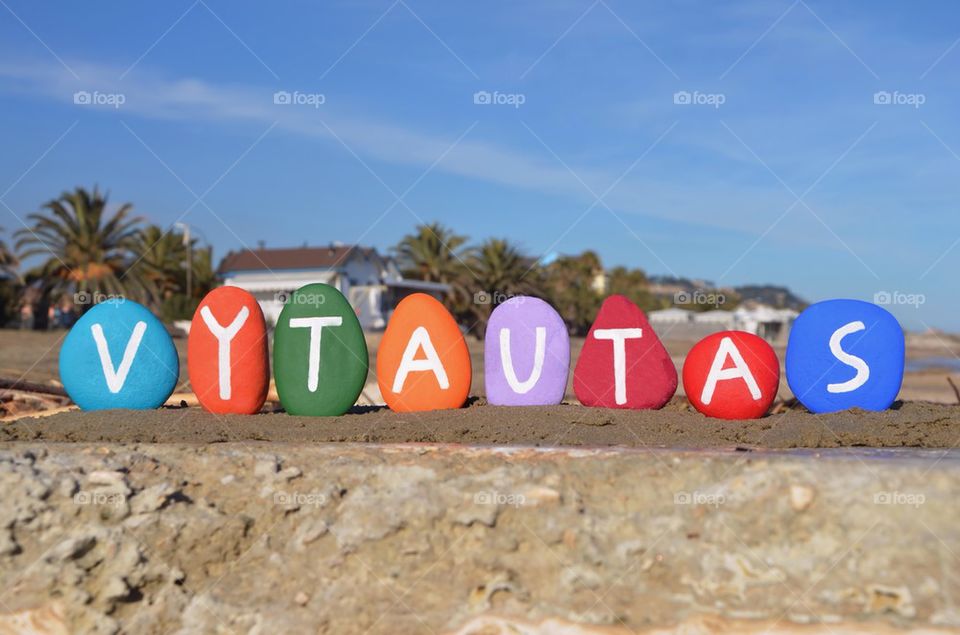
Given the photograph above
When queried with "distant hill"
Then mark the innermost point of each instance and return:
(777, 297)
(681, 284)
(772, 295)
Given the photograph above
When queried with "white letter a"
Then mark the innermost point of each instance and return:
(717, 373)
(408, 363)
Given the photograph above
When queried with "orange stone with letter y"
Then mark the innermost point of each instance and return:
(227, 356)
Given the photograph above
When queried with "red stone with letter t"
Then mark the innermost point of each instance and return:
(623, 364)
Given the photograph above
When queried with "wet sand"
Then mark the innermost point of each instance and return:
(911, 424)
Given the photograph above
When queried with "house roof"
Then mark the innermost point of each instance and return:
(298, 258)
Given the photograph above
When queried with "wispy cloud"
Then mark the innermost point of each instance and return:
(151, 95)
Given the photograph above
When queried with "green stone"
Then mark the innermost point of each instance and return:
(320, 356)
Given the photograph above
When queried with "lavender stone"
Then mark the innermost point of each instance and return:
(526, 354)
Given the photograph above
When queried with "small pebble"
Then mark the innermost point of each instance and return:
(106, 477)
(801, 497)
(265, 467)
(289, 473)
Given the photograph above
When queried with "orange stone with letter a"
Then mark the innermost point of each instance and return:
(423, 362)
(227, 355)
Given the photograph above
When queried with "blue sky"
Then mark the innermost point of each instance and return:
(784, 168)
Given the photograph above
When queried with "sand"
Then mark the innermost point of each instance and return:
(912, 424)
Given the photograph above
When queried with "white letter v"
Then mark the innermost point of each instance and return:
(116, 378)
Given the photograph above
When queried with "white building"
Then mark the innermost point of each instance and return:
(672, 315)
(722, 320)
(371, 283)
(769, 323)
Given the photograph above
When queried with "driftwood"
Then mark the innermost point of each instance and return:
(29, 386)
(37, 413)
(954, 386)
(20, 398)
(784, 406)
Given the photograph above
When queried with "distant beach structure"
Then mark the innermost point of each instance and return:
(764, 321)
(370, 281)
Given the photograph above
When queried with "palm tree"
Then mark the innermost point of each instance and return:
(9, 283)
(432, 253)
(8, 261)
(204, 276)
(634, 284)
(500, 271)
(88, 251)
(162, 261)
(160, 258)
(436, 254)
(571, 287)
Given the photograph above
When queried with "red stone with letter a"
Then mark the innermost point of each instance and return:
(732, 375)
(622, 363)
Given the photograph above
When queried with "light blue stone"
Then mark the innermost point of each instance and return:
(98, 382)
(865, 367)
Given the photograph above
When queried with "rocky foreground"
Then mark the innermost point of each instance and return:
(248, 537)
